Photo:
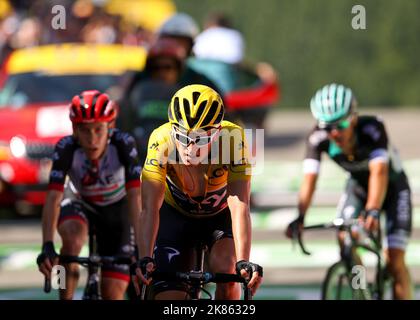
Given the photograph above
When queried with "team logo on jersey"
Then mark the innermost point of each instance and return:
(372, 131)
(155, 146)
(171, 252)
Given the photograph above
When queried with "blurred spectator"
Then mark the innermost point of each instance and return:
(28, 34)
(144, 106)
(182, 28)
(219, 41)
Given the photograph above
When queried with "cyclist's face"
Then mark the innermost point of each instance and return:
(165, 69)
(342, 133)
(341, 137)
(93, 138)
(194, 146)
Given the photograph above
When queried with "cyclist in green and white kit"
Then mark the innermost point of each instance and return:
(376, 183)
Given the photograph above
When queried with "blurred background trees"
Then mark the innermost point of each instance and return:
(311, 43)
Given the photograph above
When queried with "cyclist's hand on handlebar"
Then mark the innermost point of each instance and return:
(295, 227)
(252, 272)
(47, 259)
(372, 220)
(140, 269)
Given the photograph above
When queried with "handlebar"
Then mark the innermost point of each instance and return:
(338, 224)
(197, 276)
(200, 277)
(93, 260)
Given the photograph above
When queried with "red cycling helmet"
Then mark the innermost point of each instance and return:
(92, 106)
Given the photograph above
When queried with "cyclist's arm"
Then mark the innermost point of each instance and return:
(63, 157)
(378, 166)
(153, 192)
(316, 142)
(377, 185)
(238, 202)
(306, 192)
(134, 209)
(50, 214)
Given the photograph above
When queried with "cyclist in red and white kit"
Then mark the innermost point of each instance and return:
(104, 171)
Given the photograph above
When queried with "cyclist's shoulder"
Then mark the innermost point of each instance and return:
(317, 137)
(66, 141)
(66, 144)
(160, 140)
(365, 120)
(370, 128)
(162, 132)
(120, 137)
(225, 124)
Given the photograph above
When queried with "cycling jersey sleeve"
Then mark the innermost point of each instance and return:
(62, 160)
(128, 154)
(240, 166)
(376, 136)
(157, 155)
(316, 143)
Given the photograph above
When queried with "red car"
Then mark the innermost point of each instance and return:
(35, 87)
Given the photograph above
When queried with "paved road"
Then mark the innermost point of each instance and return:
(284, 139)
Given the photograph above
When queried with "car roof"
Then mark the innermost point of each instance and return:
(67, 59)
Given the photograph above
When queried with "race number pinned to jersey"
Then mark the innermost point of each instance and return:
(53, 121)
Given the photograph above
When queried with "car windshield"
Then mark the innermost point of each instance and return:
(228, 77)
(25, 88)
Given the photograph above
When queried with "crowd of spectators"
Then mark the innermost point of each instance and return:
(26, 23)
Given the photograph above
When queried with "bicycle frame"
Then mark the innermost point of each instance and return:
(93, 263)
(351, 243)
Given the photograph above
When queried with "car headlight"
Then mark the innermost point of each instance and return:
(17, 147)
(4, 150)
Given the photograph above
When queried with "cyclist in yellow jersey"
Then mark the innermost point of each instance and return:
(196, 188)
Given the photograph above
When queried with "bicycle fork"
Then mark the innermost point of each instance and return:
(198, 267)
(92, 290)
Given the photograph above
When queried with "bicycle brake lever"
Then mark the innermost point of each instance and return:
(143, 288)
(296, 235)
(47, 285)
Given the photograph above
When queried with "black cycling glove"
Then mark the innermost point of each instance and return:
(294, 226)
(142, 263)
(48, 252)
(249, 267)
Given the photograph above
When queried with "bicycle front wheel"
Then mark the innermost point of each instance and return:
(338, 284)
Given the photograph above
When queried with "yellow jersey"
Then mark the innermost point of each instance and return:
(228, 161)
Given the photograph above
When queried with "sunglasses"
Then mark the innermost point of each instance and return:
(339, 126)
(185, 140)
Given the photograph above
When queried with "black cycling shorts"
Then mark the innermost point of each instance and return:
(397, 206)
(114, 234)
(177, 237)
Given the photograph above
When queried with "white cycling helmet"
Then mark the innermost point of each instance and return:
(180, 25)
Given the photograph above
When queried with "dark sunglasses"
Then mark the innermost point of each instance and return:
(339, 126)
